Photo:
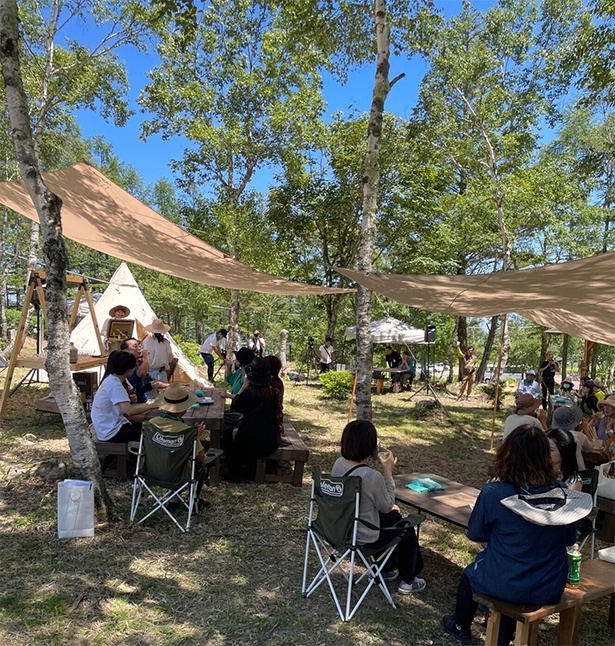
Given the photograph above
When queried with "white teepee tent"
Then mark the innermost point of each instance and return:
(123, 290)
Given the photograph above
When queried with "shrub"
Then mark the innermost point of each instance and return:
(337, 385)
(191, 350)
(489, 390)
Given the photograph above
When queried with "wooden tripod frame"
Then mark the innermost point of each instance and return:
(35, 286)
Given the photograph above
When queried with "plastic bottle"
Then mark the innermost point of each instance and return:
(574, 566)
(74, 355)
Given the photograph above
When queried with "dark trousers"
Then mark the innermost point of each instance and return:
(325, 367)
(547, 387)
(209, 362)
(466, 609)
(130, 432)
(407, 555)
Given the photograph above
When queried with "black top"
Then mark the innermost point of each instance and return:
(259, 429)
(548, 374)
(393, 359)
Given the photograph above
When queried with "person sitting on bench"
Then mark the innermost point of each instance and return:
(115, 419)
(524, 562)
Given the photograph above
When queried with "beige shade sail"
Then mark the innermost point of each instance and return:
(576, 297)
(99, 214)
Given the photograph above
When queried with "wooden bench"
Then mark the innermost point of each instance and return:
(107, 449)
(297, 452)
(597, 580)
(606, 515)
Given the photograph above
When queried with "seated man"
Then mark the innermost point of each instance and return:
(140, 379)
(393, 359)
(175, 401)
(529, 385)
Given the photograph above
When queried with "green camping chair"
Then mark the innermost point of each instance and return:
(167, 461)
(332, 534)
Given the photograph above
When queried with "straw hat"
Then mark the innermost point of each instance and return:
(609, 401)
(115, 308)
(175, 399)
(567, 417)
(157, 326)
(557, 506)
(526, 404)
(258, 372)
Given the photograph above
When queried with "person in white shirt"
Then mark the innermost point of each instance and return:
(525, 413)
(325, 355)
(257, 344)
(212, 345)
(529, 385)
(111, 404)
(162, 363)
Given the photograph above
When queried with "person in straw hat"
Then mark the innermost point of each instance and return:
(527, 519)
(161, 360)
(525, 413)
(603, 423)
(174, 402)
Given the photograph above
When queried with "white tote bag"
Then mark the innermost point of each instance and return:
(606, 480)
(75, 509)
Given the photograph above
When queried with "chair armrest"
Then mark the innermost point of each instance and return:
(211, 456)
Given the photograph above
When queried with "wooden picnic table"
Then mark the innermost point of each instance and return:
(454, 504)
(213, 417)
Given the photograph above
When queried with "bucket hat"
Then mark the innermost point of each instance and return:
(175, 399)
(258, 372)
(557, 506)
(567, 417)
(244, 356)
(526, 404)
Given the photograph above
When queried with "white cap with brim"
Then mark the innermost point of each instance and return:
(557, 506)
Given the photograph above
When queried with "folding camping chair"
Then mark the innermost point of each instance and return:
(168, 461)
(587, 526)
(333, 536)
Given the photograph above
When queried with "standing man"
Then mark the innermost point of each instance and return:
(547, 370)
(469, 361)
(257, 344)
(325, 355)
(211, 345)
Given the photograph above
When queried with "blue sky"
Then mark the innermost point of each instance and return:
(151, 159)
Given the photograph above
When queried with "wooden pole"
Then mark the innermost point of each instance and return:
(354, 390)
(497, 381)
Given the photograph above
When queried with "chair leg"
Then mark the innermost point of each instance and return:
(493, 628)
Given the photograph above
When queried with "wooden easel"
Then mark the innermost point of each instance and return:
(35, 286)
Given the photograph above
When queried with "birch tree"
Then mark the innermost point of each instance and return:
(48, 207)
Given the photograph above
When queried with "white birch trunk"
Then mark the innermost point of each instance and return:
(282, 352)
(371, 177)
(48, 207)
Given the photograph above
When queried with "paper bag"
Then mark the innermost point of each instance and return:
(75, 509)
(606, 480)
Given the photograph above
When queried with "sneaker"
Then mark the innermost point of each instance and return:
(418, 585)
(390, 575)
(453, 628)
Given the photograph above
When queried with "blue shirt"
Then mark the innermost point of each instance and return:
(140, 384)
(522, 562)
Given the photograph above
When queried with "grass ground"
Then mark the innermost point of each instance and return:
(235, 579)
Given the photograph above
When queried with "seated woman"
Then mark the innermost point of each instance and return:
(359, 446)
(275, 367)
(564, 457)
(243, 357)
(114, 417)
(602, 425)
(523, 562)
(525, 412)
(258, 431)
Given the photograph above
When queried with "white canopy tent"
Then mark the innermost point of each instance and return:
(391, 330)
(123, 290)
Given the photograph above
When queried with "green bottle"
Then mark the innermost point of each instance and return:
(574, 566)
